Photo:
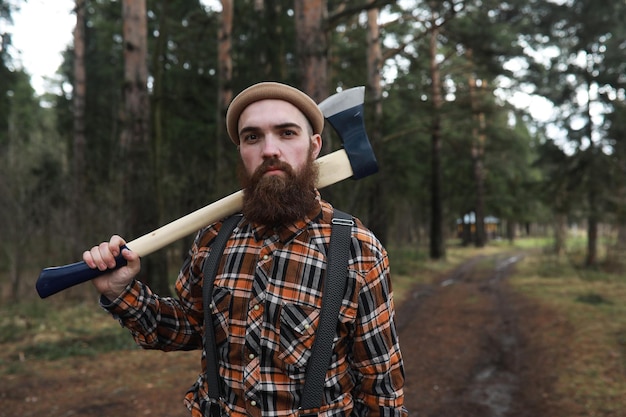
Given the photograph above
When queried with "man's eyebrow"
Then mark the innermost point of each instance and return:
(286, 125)
(248, 129)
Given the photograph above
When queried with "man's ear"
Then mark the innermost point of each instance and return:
(316, 145)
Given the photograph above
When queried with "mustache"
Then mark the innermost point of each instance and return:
(272, 164)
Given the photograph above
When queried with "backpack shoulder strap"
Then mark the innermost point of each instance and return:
(209, 270)
(334, 287)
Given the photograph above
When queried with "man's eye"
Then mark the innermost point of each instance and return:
(289, 132)
(250, 137)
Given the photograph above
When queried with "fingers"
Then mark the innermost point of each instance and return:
(103, 255)
(132, 259)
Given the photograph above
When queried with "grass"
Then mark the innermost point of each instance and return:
(593, 373)
(44, 330)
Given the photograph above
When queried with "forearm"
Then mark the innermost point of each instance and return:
(155, 322)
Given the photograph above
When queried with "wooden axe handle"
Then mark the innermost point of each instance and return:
(333, 168)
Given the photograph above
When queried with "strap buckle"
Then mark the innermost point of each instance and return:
(342, 222)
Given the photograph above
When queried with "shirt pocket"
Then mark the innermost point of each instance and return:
(298, 324)
(220, 310)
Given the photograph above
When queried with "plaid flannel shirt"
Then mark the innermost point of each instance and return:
(266, 304)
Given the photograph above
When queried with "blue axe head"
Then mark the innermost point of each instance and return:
(344, 112)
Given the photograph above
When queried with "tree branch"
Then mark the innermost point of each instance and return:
(344, 12)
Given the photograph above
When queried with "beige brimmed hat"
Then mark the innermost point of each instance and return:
(275, 91)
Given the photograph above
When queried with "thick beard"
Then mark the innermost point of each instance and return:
(274, 200)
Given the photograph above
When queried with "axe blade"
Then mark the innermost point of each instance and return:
(344, 112)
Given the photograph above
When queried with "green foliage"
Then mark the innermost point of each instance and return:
(31, 180)
(264, 46)
(528, 177)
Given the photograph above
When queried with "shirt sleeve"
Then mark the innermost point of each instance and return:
(378, 362)
(165, 323)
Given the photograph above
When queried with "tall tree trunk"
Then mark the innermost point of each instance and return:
(156, 104)
(592, 230)
(159, 279)
(312, 48)
(620, 243)
(592, 193)
(79, 142)
(478, 152)
(437, 244)
(560, 233)
(510, 230)
(378, 217)
(139, 181)
(224, 92)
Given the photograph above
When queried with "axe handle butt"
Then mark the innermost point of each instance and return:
(55, 279)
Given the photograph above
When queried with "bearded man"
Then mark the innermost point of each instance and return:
(268, 289)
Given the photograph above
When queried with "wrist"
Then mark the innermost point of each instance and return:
(113, 293)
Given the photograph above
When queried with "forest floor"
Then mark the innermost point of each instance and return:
(472, 346)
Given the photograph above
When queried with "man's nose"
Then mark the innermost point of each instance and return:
(271, 147)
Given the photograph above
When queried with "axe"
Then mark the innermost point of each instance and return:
(344, 112)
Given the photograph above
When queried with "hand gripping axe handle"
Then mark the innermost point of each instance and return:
(343, 110)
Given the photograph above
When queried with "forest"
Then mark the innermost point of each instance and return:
(134, 136)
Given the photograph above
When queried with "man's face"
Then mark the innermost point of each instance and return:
(275, 129)
(277, 153)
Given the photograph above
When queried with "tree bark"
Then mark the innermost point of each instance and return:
(378, 217)
(225, 92)
(478, 152)
(437, 244)
(560, 234)
(312, 49)
(156, 104)
(79, 140)
(592, 230)
(139, 180)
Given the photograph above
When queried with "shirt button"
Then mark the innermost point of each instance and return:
(266, 257)
(306, 326)
(251, 356)
(253, 403)
(257, 307)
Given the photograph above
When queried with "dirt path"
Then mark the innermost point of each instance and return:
(472, 348)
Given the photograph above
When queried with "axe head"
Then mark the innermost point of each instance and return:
(344, 112)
